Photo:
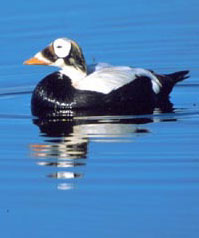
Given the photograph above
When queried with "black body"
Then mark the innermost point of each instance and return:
(55, 96)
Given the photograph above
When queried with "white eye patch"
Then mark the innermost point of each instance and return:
(62, 47)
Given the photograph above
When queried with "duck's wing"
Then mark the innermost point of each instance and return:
(95, 67)
(107, 78)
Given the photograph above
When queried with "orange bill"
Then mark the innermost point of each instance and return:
(35, 61)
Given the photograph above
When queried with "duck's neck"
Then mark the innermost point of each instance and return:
(75, 74)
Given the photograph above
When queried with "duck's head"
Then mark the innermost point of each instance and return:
(63, 53)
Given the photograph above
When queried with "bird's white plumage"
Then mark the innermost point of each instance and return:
(105, 78)
(62, 47)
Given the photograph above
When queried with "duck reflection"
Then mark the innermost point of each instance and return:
(65, 145)
(65, 141)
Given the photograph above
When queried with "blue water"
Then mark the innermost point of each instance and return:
(110, 176)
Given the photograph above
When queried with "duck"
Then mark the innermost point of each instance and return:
(101, 86)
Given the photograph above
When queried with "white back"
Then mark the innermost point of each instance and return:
(107, 78)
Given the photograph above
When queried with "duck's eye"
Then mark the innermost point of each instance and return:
(59, 46)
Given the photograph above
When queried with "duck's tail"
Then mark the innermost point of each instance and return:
(168, 81)
(178, 76)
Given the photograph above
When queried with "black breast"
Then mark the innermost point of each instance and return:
(55, 95)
